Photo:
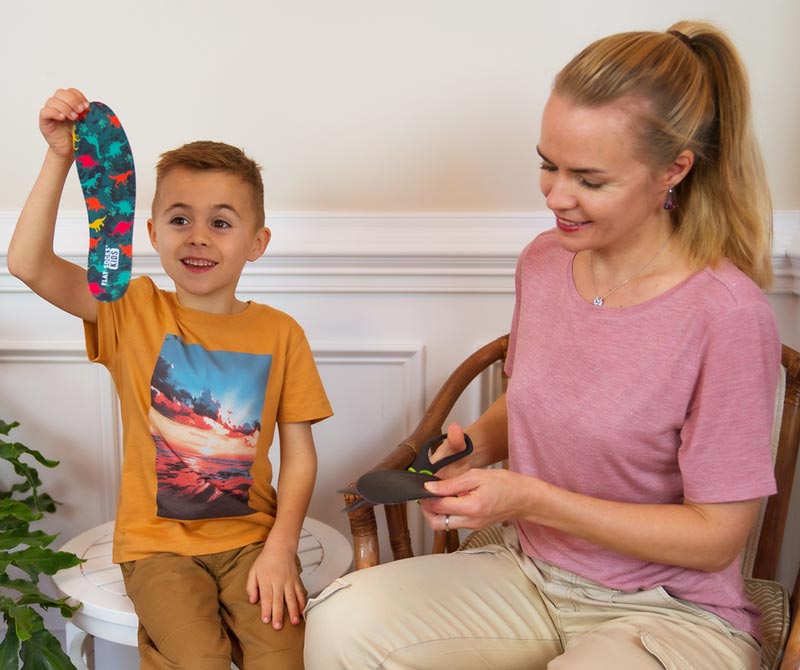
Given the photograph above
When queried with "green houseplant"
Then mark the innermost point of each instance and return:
(24, 556)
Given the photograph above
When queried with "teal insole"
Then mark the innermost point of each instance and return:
(105, 168)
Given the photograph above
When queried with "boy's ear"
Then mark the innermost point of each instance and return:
(151, 233)
(260, 243)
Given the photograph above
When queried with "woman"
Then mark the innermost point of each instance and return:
(643, 362)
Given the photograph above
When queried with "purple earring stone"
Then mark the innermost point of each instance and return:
(669, 201)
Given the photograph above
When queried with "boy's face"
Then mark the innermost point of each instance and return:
(205, 229)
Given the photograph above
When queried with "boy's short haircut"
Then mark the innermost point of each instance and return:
(207, 155)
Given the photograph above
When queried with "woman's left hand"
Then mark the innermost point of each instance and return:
(476, 499)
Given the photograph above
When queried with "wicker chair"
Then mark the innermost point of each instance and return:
(780, 625)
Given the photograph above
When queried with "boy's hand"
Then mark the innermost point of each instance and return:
(56, 119)
(275, 581)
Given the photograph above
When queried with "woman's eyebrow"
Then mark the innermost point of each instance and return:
(575, 170)
(542, 156)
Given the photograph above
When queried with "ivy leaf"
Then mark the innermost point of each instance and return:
(18, 509)
(9, 650)
(27, 641)
(21, 585)
(36, 560)
(43, 502)
(23, 536)
(5, 428)
(43, 652)
(26, 621)
(13, 450)
(62, 604)
(31, 595)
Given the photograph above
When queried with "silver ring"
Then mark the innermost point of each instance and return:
(447, 522)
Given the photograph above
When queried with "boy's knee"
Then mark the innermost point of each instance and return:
(197, 644)
(153, 660)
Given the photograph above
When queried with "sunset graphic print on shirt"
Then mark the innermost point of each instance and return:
(205, 419)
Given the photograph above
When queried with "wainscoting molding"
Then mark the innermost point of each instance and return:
(377, 253)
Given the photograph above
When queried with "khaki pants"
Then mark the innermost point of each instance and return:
(494, 607)
(194, 614)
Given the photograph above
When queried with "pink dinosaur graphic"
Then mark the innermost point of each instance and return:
(122, 227)
(86, 161)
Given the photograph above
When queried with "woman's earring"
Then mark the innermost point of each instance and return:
(669, 201)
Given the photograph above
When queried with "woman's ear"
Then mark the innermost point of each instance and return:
(679, 168)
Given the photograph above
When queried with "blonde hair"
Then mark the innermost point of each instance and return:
(207, 155)
(689, 90)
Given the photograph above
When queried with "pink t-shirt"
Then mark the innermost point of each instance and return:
(666, 400)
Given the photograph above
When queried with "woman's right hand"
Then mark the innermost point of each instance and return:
(454, 444)
(56, 119)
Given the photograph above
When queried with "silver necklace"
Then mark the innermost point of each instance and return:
(599, 301)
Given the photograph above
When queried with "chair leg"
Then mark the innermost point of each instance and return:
(399, 537)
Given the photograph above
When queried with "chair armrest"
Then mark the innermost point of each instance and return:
(363, 524)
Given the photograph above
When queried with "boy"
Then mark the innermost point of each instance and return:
(207, 547)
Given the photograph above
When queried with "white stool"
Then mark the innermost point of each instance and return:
(108, 614)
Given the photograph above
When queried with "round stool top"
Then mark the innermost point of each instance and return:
(97, 583)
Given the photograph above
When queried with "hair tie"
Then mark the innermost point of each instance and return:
(683, 38)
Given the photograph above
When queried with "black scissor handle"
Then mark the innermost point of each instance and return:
(422, 463)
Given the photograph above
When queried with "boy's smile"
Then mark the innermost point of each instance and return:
(205, 229)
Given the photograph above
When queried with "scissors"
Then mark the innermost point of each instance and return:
(394, 486)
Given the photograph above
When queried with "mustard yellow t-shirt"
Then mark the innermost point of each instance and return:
(200, 395)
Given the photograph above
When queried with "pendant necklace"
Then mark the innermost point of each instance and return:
(599, 301)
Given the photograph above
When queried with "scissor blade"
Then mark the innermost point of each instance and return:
(358, 504)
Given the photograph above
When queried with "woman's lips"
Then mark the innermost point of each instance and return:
(570, 226)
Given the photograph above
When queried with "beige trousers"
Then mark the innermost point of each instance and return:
(494, 607)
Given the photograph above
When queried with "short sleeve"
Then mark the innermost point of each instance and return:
(725, 450)
(303, 396)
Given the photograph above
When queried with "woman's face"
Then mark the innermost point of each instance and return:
(604, 197)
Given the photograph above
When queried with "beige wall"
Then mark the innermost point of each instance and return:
(357, 105)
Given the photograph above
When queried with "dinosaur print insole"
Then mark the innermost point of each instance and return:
(105, 168)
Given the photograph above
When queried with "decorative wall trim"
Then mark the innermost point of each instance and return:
(409, 356)
(319, 252)
(108, 422)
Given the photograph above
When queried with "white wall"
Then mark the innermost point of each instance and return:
(397, 140)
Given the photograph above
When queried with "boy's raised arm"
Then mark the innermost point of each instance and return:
(31, 257)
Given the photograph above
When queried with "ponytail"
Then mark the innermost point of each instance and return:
(696, 96)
